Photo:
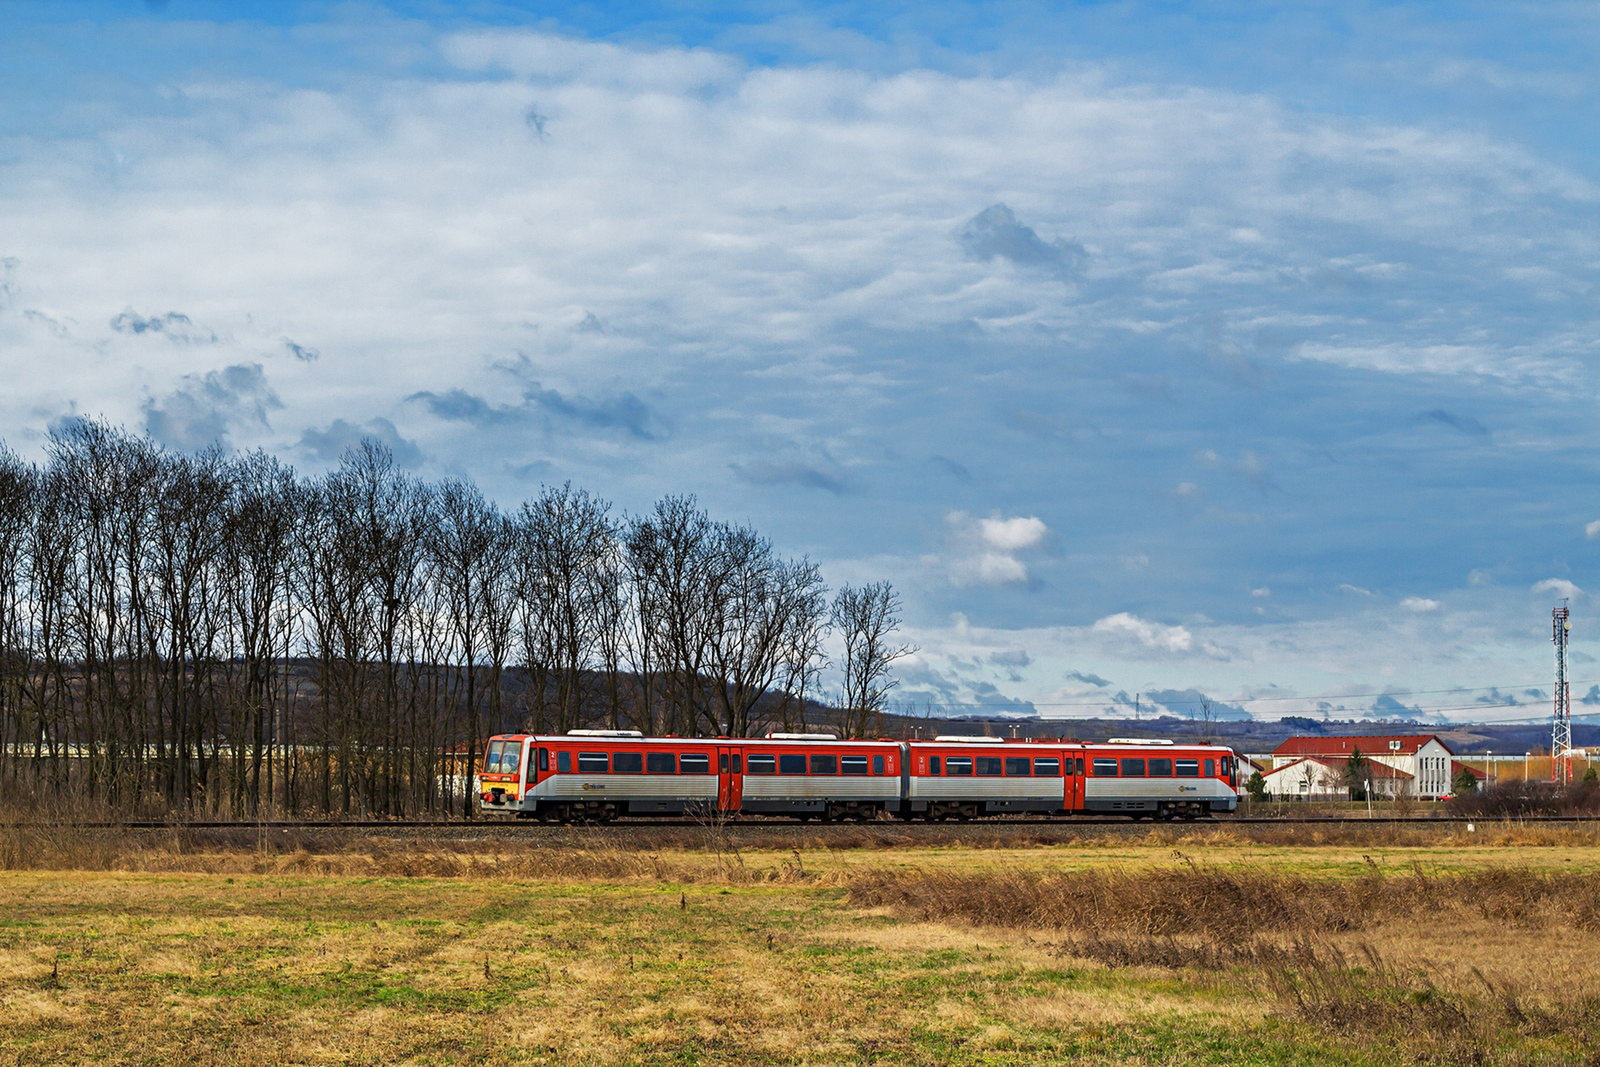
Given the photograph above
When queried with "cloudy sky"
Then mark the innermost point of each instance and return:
(1150, 349)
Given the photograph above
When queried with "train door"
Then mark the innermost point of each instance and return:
(1073, 766)
(730, 777)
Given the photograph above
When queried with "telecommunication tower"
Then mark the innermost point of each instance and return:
(1561, 734)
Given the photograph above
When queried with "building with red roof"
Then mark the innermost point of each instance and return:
(1423, 763)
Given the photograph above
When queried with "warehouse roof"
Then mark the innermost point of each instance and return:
(1370, 745)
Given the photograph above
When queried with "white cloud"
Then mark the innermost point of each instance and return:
(1152, 635)
(1592, 530)
(1263, 591)
(1559, 586)
(1346, 587)
(1417, 603)
(990, 551)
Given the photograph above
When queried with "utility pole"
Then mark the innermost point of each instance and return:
(1561, 732)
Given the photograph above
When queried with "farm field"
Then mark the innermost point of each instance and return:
(1199, 945)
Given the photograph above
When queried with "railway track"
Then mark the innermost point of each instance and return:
(532, 827)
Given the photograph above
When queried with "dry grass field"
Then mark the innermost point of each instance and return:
(732, 945)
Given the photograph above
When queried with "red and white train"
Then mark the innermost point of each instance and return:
(599, 775)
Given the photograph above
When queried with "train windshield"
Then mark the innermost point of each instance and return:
(491, 763)
(511, 757)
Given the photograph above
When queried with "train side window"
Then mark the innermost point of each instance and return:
(491, 762)
(1079, 771)
(792, 763)
(1225, 769)
(694, 763)
(660, 763)
(763, 763)
(960, 766)
(1211, 768)
(989, 766)
(1049, 768)
(856, 765)
(824, 764)
(564, 762)
(738, 763)
(627, 763)
(1105, 768)
(544, 759)
(1188, 768)
(933, 765)
(722, 763)
(1018, 766)
(1161, 768)
(511, 758)
(593, 763)
(877, 764)
(1133, 768)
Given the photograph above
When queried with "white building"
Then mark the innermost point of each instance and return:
(1314, 778)
(1423, 762)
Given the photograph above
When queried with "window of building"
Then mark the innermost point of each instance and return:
(959, 765)
(694, 763)
(853, 764)
(792, 764)
(627, 763)
(1046, 768)
(593, 762)
(821, 764)
(1188, 768)
(933, 765)
(763, 763)
(1133, 768)
(877, 764)
(564, 762)
(1104, 767)
(1020, 766)
(1161, 768)
(989, 766)
(660, 763)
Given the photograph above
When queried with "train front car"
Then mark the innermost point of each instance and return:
(955, 777)
(600, 775)
(1145, 778)
(500, 780)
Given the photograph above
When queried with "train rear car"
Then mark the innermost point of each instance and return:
(1144, 778)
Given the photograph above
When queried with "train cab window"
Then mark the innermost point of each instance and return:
(877, 764)
(1188, 768)
(694, 763)
(824, 764)
(1133, 768)
(853, 764)
(511, 757)
(961, 766)
(491, 762)
(1105, 768)
(1211, 768)
(763, 763)
(1047, 768)
(1018, 766)
(593, 762)
(627, 763)
(563, 762)
(933, 765)
(660, 763)
(544, 759)
(792, 764)
(1161, 768)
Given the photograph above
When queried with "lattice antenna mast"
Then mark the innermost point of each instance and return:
(1561, 734)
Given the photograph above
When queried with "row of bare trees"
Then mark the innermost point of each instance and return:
(204, 631)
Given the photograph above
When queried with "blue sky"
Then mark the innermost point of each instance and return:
(1150, 349)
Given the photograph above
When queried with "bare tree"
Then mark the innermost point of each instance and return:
(867, 619)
